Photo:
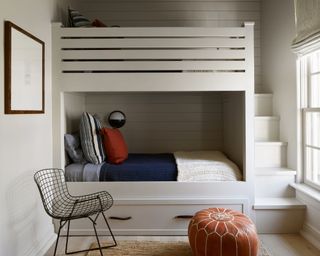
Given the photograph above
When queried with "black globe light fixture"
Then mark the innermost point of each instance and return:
(117, 119)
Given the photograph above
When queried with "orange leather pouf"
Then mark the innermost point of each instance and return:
(222, 232)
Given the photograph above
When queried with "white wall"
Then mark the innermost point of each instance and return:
(279, 68)
(25, 143)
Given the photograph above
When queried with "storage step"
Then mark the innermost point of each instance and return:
(270, 154)
(279, 179)
(279, 215)
(263, 104)
(266, 128)
(277, 203)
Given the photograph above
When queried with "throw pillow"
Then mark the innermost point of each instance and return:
(114, 145)
(76, 19)
(91, 139)
(73, 148)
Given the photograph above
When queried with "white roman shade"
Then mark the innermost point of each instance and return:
(307, 14)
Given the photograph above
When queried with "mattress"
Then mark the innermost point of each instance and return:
(141, 167)
(187, 166)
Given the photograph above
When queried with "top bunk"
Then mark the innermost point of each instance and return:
(154, 59)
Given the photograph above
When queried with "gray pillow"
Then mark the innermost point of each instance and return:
(73, 148)
(91, 140)
(76, 19)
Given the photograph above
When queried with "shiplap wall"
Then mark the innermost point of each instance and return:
(164, 122)
(176, 13)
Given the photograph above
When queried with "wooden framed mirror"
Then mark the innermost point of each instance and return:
(24, 71)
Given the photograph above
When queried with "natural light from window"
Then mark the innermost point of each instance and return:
(311, 118)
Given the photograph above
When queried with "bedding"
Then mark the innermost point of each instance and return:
(181, 166)
(205, 166)
(141, 167)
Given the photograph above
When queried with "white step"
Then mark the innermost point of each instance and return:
(279, 215)
(266, 128)
(270, 154)
(274, 182)
(277, 203)
(263, 104)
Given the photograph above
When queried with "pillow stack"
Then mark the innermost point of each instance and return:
(94, 142)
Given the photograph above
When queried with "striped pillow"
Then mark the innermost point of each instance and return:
(91, 139)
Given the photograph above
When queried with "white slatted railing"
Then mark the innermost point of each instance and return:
(211, 52)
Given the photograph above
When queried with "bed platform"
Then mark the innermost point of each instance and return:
(102, 69)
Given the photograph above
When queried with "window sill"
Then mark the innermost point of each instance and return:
(308, 190)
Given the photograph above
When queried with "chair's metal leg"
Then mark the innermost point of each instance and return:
(67, 239)
(95, 231)
(55, 248)
(105, 219)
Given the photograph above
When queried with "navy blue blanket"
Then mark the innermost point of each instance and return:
(141, 167)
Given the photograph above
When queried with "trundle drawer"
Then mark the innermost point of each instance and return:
(154, 216)
(150, 219)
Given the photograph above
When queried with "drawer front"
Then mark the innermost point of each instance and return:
(156, 216)
(149, 219)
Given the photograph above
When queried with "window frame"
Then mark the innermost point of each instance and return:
(305, 100)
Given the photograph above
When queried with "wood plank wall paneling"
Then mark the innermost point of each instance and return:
(164, 122)
(176, 13)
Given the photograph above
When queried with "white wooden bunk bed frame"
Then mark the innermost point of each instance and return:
(157, 60)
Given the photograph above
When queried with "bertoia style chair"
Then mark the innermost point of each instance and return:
(59, 204)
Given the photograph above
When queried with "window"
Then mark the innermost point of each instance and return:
(310, 101)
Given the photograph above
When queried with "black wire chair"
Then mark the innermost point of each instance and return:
(59, 204)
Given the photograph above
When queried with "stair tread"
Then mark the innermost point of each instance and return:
(268, 117)
(278, 203)
(261, 94)
(269, 143)
(274, 171)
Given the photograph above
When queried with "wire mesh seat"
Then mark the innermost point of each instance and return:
(59, 204)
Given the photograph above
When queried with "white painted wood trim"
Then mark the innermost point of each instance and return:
(271, 143)
(274, 171)
(308, 191)
(311, 234)
(153, 82)
(44, 246)
(272, 118)
(223, 54)
(153, 65)
(277, 203)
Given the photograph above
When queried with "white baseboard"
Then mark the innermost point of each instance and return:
(311, 234)
(43, 246)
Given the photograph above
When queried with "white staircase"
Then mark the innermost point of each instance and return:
(277, 209)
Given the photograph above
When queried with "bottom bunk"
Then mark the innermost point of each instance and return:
(158, 123)
(180, 166)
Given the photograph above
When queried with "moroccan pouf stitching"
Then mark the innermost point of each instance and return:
(223, 232)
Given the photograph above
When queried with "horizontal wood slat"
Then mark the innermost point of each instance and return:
(161, 43)
(154, 82)
(152, 54)
(153, 32)
(153, 65)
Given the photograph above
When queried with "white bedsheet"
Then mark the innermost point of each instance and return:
(205, 166)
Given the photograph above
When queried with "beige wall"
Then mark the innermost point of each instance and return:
(25, 143)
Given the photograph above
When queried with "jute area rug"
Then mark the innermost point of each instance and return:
(153, 248)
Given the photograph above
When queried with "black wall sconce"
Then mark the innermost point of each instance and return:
(117, 119)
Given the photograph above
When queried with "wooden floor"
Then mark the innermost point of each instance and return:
(278, 245)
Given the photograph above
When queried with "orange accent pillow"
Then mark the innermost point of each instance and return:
(114, 145)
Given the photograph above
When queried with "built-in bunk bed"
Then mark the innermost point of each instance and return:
(202, 77)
